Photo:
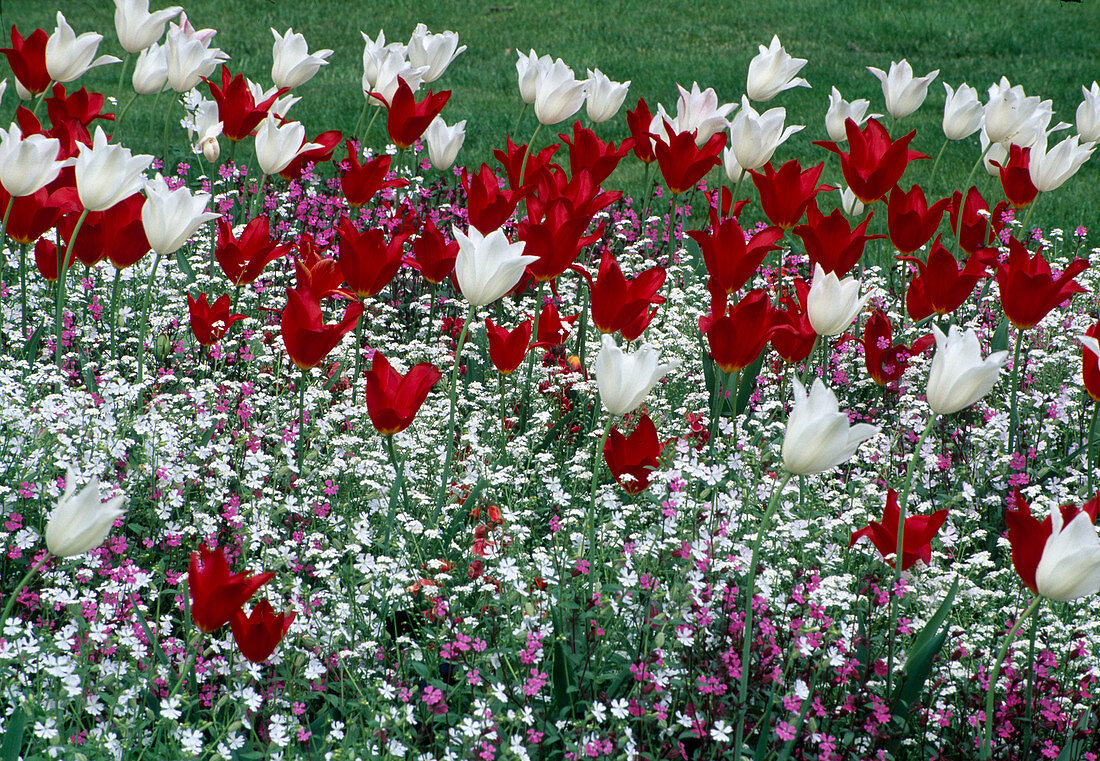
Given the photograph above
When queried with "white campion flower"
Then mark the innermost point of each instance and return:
(136, 27)
(82, 522)
(832, 303)
(604, 97)
(69, 56)
(488, 266)
(1050, 169)
(840, 111)
(171, 217)
(903, 92)
(959, 376)
(819, 436)
(435, 51)
(292, 63)
(754, 137)
(625, 380)
(1070, 564)
(772, 71)
(962, 112)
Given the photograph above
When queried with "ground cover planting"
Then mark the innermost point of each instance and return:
(636, 432)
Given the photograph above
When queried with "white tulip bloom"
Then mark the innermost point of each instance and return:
(625, 380)
(278, 145)
(840, 111)
(754, 136)
(171, 217)
(604, 97)
(292, 63)
(903, 92)
(1050, 169)
(28, 164)
(1070, 565)
(962, 112)
(772, 71)
(819, 436)
(69, 56)
(435, 51)
(136, 27)
(488, 266)
(832, 303)
(959, 376)
(107, 174)
(529, 68)
(697, 111)
(558, 93)
(81, 523)
(151, 70)
(1088, 114)
(444, 142)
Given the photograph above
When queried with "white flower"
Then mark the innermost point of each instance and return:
(819, 436)
(488, 266)
(151, 70)
(69, 56)
(374, 52)
(28, 164)
(171, 217)
(392, 66)
(1088, 114)
(444, 142)
(277, 146)
(959, 376)
(696, 111)
(624, 380)
(604, 97)
(1050, 169)
(136, 27)
(833, 303)
(434, 51)
(903, 92)
(81, 523)
(772, 71)
(1013, 117)
(1070, 565)
(962, 112)
(190, 57)
(106, 174)
(205, 126)
(293, 65)
(721, 732)
(528, 69)
(558, 93)
(754, 136)
(840, 111)
(852, 206)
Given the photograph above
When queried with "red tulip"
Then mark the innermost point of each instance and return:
(1028, 290)
(1016, 177)
(31, 216)
(489, 206)
(631, 458)
(619, 305)
(557, 240)
(360, 182)
(731, 259)
(210, 323)
(793, 336)
(638, 122)
(885, 361)
(911, 221)
(47, 257)
(1028, 535)
(69, 132)
(27, 58)
(874, 163)
(831, 242)
(238, 110)
(392, 399)
(941, 286)
(433, 255)
(584, 195)
(81, 106)
(785, 195)
(406, 119)
(508, 348)
(242, 260)
(321, 275)
(512, 159)
(216, 594)
(116, 234)
(367, 260)
(589, 152)
(681, 162)
(736, 338)
(306, 337)
(980, 225)
(326, 142)
(259, 633)
(552, 326)
(919, 530)
(1090, 365)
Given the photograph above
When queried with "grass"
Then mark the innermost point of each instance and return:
(1048, 47)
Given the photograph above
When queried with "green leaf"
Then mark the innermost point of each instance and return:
(564, 683)
(918, 664)
(154, 641)
(185, 267)
(556, 431)
(30, 351)
(748, 383)
(923, 640)
(999, 342)
(13, 738)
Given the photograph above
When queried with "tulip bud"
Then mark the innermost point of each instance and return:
(962, 113)
(959, 376)
(604, 97)
(444, 142)
(819, 436)
(211, 149)
(81, 523)
(1088, 115)
(832, 303)
(852, 206)
(624, 380)
(903, 92)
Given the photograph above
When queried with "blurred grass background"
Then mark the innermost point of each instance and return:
(1049, 47)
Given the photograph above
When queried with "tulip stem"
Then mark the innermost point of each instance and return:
(524, 413)
(503, 420)
(115, 287)
(122, 76)
(1091, 459)
(809, 361)
(582, 330)
(256, 198)
(19, 588)
(3, 233)
(301, 418)
(359, 121)
(987, 738)
(125, 109)
(62, 271)
(750, 587)
(399, 474)
(145, 318)
(526, 153)
(519, 118)
(1027, 217)
(442, 491)
(962, 195)
(899, 553)
(597, 464)
(1012, 409)
(358, 356)
(23, 288)
(936, 163)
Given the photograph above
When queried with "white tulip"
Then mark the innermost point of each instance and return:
(528, 69)
(444, 142)
(190, 58)
(959, 376)
(374, 52)
(604, 97)
(136, 27)
(171, 217)
(962, 112)
(1070, 565)
(697, 111)
(278, 145)
(204, 127)
(107, 174)
(151, 70)
(280, 106)
(69, 56)
(754, 137)
(435, 51)
(1013, 117)
(772, 71)
(840, 111)
(995, 154)
(391, 67)
(852, 206)
(832, 303)
(558, 93)
(734, 171)
(625, 380)
(293, 65)
(3, 88)
(1050, 169)
(28, 164)
(81, 523)
(488, 266)
(1088, 115)
(819, 436)
(903, 92)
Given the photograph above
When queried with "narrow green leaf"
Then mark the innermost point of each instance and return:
(999, 342)
(13, 738)
(185, 267)
(748, 383)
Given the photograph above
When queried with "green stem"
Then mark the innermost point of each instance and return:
(122, 76)
(62, 271)
(118, 119)
(19, 588)
(114, 312)
(524, 414)
(936, 163)
(358, 356)
(362, 116)
(809, 362)
(1012, 410)
(503, 420)
(23, 288)
(164, 135)
(987, 739)
(1027, 217)
(597, 466)
(1091, 459)
(301, 417)
(370, 125)
(717, 400)
(527, 152)
(519, 118)
(145, 317)
(441, 493)
(399, 474)
(963, 192)
(256, 198)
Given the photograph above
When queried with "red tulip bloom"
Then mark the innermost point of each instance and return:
(360, 182)
(784, 195)
(919, 530)
(638, 122)
(552, 327)
(793, 336)
(489, 205)
(885, 361)
(619, 305)
(406, 119)
(27, 58)
(1028, 290)
(589, 152)
(557, 240)
(306, 337)
(682, 163)
(47, 257)
(326, 142)
(210, 323)
(736, 338)
(508, 348)
(632, 458)
(367, 260)
(81, 106)
(584, 195)
(1090, 365)
(69, 132)
(238, 110)
(941, 286)
(116, 233)
(242, 260)
(512, 160)
(1028, 535)
(392, 399)
(31, 216)
(980, 225)
(433, 255)
(831, 242)
(731, 257)
(874, 163)
(911, 221)
(216, 594)
(1016, 177)
(321, 275)
(259, 633)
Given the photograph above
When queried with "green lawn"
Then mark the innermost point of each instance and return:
(1049, 47)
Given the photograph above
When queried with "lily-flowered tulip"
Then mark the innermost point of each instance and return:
(625, 380)
(216, 594)
(772, 71)
(1050, 169)
(136, 27)
(277, 146)
(696, 111)
(819, 436)
(190, 58)
(259, 633)
(959, 376)
(886, 361)
(941, 285)
(737, 336)
(841, 111)
(632, 458)
(793, 337)
(80, 523)
(910, 220)
(28, 163)
(171, 217)
(444, 142)
(369, 259)
(919, 530)
(306, 337)
(529, 68)
(831, 242)
(433, 255)
(1010, 114)
(1015, 175)
(874, 162)
(487, 266)
(27, 58)
(360, 182)
(293, 65)
(622, 306)
(604, 97)
(962, 112)
(833, 303)
(754, 137)
(903, 92)
(731, 261)
(106, 174)
(69, 56)
(786, 194)
(393, 69)
(1088, 114)
(435, 52)
(374, 54)
(407, 118)
(682, 163)
(1058, 557)
(1090, 360)
(210, 322)
(394, 399)
(1029, 291)
(558, 93)
(243, 259)
(508, 348)
(151, 70)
